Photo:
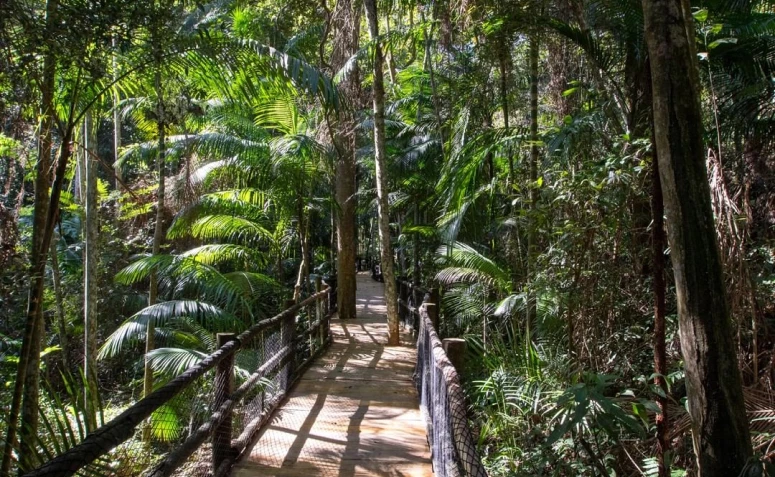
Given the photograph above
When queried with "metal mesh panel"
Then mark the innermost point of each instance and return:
(208, 414)
(443, 404)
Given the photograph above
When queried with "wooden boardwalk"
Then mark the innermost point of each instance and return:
(355, 410)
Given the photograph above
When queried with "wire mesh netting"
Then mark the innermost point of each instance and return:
(197, 423)
(442, 402)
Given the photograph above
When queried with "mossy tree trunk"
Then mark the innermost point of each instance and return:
(719, 425)
(345, 20)
(380, 160)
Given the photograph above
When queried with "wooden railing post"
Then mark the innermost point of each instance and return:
(433, 314)
(319, 312)
(402, 301)
(331, 282)
(456, 352)
(224, 386)
(288, 338)
(432, 305)
(436, 314)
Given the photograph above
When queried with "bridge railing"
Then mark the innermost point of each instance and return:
(410, 298)
(220, 420)
(442, 400)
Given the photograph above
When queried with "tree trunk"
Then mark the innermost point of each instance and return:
(91, 236)
(116, 120)
(301, 278)
(64, 341)
(503, 62)
(531, 227)
(428, 66)
(158, 236)
(346, 22)
(380, 160)
(720, 429)
(26, 385)
(659, 286)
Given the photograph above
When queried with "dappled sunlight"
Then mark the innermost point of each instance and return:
(354, 412)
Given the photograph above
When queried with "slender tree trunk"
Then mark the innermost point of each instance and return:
(64, 341)
(659, 285)
(380, 160)
(116, 121)
(389, 57)
(504, 69)
(428, 66)
(719, 425)
(91, 236)
(158, 236)
(346, 22)
(531, 228)
(26, 385)
(304, 240)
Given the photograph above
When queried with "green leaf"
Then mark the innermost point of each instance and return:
(701, 15)
(640, 411)
(722, 41)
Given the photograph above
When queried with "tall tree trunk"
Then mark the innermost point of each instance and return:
(428, 66)
(301, 278)
(380, 160)
(531, 228)
(158, 235)
(390, 57)
(64, 341)
(91, 236)
(659, 286)
(26, 385)
(719, 426)
(116, 120)
(346, 23)
(503, 62)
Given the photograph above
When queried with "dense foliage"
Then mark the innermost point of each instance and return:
(520, 169)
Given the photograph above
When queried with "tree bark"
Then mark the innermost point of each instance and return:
(720, 429)
(659, 287)
(380, 160)
(91, 236)
(346, 22)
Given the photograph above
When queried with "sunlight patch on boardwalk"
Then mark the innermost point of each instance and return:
(354, 412)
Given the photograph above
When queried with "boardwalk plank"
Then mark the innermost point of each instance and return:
(354, 413)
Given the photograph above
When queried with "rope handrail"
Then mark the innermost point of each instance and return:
(442, 400)
(318, 308)
(443, 403)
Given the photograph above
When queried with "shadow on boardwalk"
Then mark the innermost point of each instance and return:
(354, 412)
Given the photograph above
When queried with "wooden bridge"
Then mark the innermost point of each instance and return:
(317, 396)
(354, 412)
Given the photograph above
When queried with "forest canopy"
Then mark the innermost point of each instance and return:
(588, 185)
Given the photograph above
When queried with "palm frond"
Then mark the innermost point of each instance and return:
(160, 315)
(470, 266)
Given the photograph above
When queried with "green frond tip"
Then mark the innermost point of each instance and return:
(215, 254)
(466, 265)
(301, 73)
(174, 361)
(161, 315)
(227, 227)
